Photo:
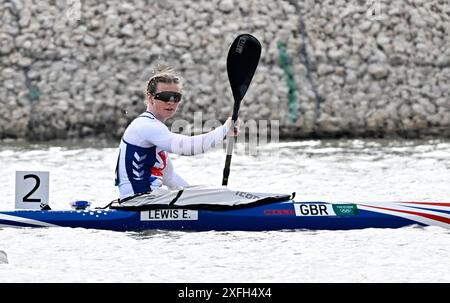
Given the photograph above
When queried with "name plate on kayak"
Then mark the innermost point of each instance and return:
(169, 215)
(312, 209)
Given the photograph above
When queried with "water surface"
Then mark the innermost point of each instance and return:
(345, 170)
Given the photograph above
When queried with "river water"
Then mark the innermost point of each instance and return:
(344, 170)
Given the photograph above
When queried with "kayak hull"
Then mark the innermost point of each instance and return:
(286, 215)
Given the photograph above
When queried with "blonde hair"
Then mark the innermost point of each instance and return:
(166, 75)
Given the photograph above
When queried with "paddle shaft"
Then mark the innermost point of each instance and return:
(226, 170)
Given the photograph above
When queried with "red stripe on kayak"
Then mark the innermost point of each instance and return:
(429, 216)
(430, 203)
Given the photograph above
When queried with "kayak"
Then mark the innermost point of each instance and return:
(279, 215)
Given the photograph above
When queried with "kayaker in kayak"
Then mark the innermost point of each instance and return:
(143, 164)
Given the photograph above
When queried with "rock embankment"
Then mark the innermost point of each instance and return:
(371, 68)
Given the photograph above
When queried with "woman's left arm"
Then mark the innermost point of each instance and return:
(170, 178)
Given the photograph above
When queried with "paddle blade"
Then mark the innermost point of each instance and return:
(243, 58)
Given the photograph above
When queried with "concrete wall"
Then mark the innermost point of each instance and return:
(361, 68)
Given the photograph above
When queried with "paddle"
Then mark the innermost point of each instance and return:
(242, 60)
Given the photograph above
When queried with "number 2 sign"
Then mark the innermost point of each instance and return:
(31, 189)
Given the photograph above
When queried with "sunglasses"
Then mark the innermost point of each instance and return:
(168, 96)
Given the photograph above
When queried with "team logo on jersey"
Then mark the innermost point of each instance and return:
(138, 164)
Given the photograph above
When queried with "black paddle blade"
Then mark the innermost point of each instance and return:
(243, 58)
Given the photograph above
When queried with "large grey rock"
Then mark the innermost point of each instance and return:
(89, 40)
(226, 6)
(6, 43)
(127, 30)
(378, 71)
(325, 69)
(429, 107)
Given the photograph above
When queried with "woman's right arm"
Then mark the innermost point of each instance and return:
(179, 144)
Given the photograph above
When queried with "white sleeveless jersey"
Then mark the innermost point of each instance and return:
(144, 165)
